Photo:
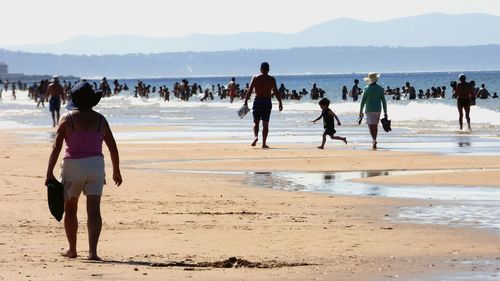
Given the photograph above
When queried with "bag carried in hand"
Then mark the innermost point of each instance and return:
(55, 195)
(243, 111)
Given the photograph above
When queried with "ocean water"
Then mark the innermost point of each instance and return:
(419, 125)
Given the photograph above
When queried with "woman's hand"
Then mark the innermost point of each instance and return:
(338, 124)
(49, 177)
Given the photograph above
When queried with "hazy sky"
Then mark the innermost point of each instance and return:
(53, 21)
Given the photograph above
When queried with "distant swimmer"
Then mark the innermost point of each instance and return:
(264, 86)
(483, 93)
(104, 87)
(329, 118)
(41, 90)
(232, 89)
(13, 91)
(374, 100)
(410, 90)
(495, 96)
(345, 92)
(206, 95)
(464, 93)
(314, 92)
(55, 93)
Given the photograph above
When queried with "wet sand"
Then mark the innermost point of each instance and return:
(174, 226)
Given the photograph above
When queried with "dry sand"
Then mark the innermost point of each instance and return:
(198, 219)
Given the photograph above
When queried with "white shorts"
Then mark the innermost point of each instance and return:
(86, 174)
(372, 118)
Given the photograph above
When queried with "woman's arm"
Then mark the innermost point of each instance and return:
(113, 150)
(56, 150)
(363, 102)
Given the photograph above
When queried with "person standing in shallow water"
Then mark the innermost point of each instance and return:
(464, 92)
(373, 99)
(55, 93)
(83, 130)
(355, 91)
(344, 93)
(232, 89)
(264, 86)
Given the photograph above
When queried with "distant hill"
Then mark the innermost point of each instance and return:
(419, 31)
(311, 60)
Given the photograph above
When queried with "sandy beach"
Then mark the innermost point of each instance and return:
(165, 223)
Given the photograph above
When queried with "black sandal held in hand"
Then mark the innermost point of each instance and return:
(386, 124)
(55, 195)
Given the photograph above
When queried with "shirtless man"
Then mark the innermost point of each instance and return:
(356, 90)
(264, 86)
(55, 93)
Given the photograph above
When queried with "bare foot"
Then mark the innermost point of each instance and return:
(69, 254)
(374, 145)
(94, 257)
(345, 140)
(320, 147)
(255, 140)
(265, 146)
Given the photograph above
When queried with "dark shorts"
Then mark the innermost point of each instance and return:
(330, 131)
(463, 102)
(262, 109)
(54, 104)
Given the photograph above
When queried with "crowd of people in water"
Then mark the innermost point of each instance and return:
(185, 91)
(55, 92)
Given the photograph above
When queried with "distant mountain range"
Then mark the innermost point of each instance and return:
(418, 31)
(311, 60)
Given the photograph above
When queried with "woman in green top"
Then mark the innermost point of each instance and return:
(373, 99)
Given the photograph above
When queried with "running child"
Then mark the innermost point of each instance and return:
(328, 122)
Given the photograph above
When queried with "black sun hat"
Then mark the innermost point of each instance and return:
(83, 96)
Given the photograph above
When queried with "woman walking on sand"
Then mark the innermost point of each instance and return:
(373, 98)
(82, 169)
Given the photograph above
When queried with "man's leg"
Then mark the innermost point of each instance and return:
(460, 116)
(265, 132)
(94, 224)
(467, 116)
(255, 132)
(58, 116)
(373, 132)
(53, 113)
(71, 225)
